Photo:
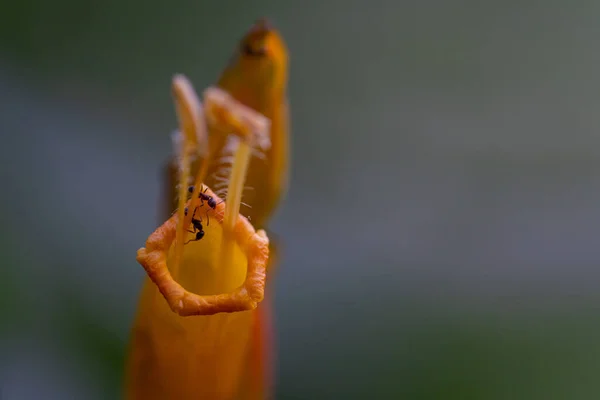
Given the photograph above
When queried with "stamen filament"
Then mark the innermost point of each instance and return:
(193, 130)
(235, 190)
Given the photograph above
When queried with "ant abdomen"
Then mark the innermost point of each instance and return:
(198, 228)
(212, 203)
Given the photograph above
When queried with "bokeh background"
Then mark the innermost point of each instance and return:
(441, 231)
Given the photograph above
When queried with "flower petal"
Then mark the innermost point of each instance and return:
(245, 297)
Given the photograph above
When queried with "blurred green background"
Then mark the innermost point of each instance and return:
(442, 227)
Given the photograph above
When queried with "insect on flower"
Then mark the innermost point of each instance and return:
(212, 203)
(210, 200)
(203, 328)
(197, 225)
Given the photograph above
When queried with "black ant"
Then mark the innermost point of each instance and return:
(198, 228)
(204, 197)
(212, 203)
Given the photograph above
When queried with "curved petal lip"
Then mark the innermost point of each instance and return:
(255, 245)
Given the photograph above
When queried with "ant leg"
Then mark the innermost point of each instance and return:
(194, 231)
(191, 240)
(197, 238)
(193, 215)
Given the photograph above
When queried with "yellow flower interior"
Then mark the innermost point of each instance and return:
(200, 270)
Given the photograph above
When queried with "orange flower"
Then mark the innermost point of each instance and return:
(201, 329)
